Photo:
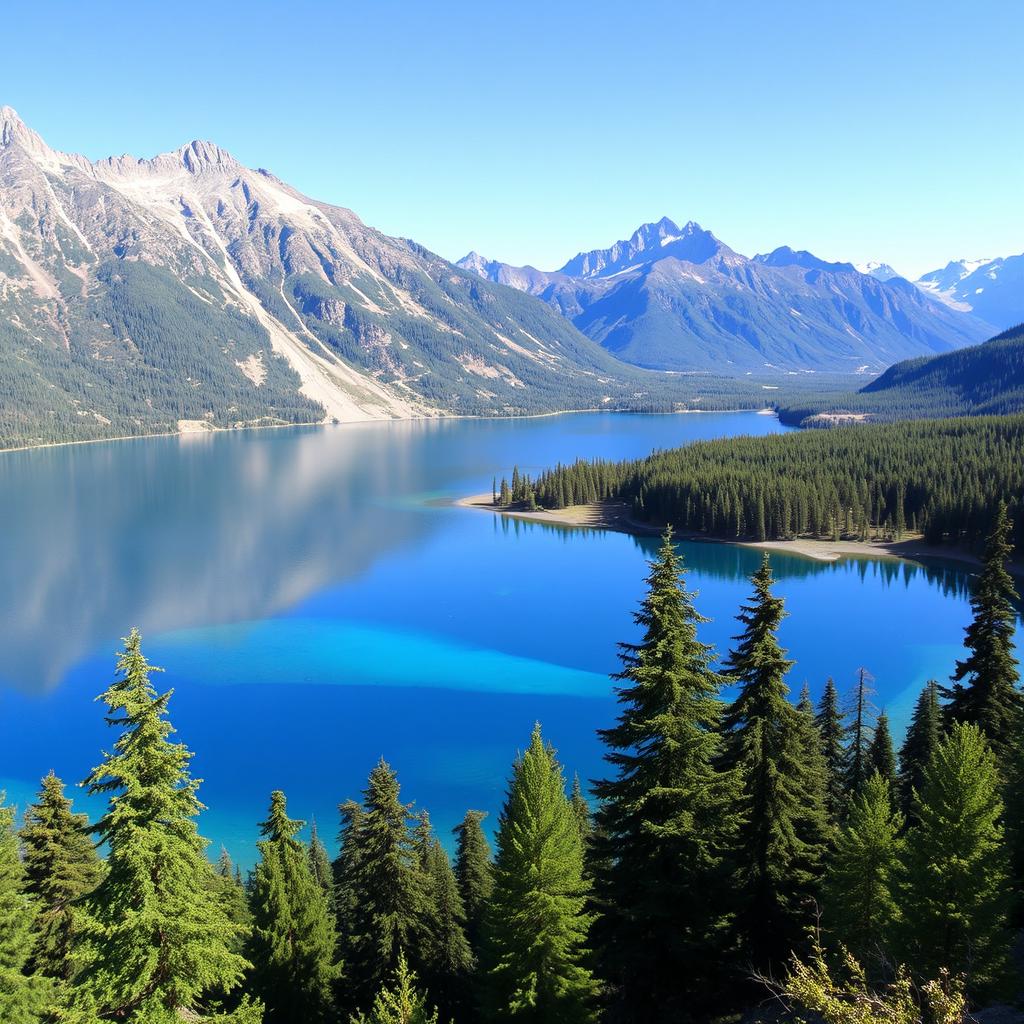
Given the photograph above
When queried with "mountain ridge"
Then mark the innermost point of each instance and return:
(678, 298)
(140, 294)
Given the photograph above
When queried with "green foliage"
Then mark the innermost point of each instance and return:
(293, 938)
(226, 883)
(474, 873)
(991, 697)
(863, 877)
(881, 756)
(448, 959)
(829, 720)
(536, 923)
(981, 380)
(784, 829)
(389, 890)
(811, 988)
(22, 998)
(320, 868)
(667, 819)
(942, 478)
(154, 942)
(922, 739)
(401, 1003)
(956, 899)
(860, 732)
(61, 866)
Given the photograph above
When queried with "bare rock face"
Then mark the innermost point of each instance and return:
(137, 293)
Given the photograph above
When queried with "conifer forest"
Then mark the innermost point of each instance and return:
(745, 854)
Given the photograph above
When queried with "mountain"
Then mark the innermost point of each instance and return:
(879, 271)
(188, 291)
(678, 298)
(991, 289)
(980, 380)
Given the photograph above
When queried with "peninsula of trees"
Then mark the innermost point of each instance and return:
(940, 478)
(730, 841)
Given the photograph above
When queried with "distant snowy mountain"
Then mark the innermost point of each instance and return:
(992, 289)
(879, 271)
(678, 298)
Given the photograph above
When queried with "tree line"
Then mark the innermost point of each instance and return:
(730, 840)
(941, 478)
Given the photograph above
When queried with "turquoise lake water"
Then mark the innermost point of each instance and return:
(318, 604)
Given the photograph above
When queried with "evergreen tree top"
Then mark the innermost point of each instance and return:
(278, 825)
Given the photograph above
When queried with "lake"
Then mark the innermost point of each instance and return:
(317, 603)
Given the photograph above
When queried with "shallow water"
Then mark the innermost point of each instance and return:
(317, 605)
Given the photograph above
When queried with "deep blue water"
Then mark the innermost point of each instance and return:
(318, 605)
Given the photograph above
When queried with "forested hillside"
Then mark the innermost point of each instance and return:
(732, 841)
(942, 478)
(982, 380)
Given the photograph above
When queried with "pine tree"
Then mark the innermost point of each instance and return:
(22, 997)
(581, 809)
(830, 728)
(449, 960)
(860, 732)
(923, 736)
(154, 942)
(666, 821)
(344, 870)
(815, 827)
(61, 866)
(536, 923)
(226, 882)
(862, 884)
(292, 944)
(991, 697)
(389, 890)
(474, 874)
(320, 868)
(400, 1003)
(881, 756)
(957, 896)
(781, 842)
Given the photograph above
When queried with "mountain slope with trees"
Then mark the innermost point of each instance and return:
(981, 380)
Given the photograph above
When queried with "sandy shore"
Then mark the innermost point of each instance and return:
(615, 516)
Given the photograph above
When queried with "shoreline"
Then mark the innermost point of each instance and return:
(615, 517)
(196, 432)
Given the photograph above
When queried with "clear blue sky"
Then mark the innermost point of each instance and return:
(529, 131)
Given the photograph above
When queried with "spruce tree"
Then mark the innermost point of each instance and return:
(400, 1002)
(881, 756)
(862, 883)
(781, 841)
(957, 896)
(23, 998)
(986, 689)
(448, 958)
(666, 819)
(537, 925)
(830, 728)
(155, 942)
(474, 874)
(226, 882)
(860, 732)
(581, 809)
(293, 939)
(389, 891)
(344, 870)
(320, 868)
(923, 736)
(61, 866)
